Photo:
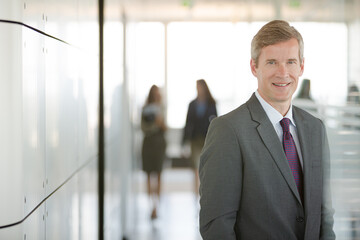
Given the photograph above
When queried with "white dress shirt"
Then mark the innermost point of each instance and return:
(275, 118)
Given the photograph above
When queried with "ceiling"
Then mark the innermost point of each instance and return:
(242, 10)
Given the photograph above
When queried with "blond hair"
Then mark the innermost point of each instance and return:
(272, 33)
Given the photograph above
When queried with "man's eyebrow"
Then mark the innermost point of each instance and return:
(293, 59)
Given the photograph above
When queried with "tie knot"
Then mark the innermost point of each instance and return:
(285, 123)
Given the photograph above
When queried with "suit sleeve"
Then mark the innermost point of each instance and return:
(327, 211)
(220, 182)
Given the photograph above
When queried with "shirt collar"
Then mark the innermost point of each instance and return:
(274, 116)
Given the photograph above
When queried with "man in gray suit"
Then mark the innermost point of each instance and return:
(262, 177)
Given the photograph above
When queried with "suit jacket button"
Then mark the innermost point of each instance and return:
(300, 219)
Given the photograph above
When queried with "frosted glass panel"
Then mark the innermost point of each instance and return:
(11, 164)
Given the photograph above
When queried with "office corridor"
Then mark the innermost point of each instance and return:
(75, 75)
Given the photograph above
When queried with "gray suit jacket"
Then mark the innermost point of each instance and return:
(247, 190)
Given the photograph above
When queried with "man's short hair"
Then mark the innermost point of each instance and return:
(272, 33)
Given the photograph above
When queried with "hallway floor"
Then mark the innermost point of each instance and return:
(177, 213)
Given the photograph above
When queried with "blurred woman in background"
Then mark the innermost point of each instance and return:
(200, 112)
(154, 145)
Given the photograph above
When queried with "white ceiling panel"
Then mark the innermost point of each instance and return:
(242, 10)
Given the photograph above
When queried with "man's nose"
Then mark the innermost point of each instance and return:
(282, 70)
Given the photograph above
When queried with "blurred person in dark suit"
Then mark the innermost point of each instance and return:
(304, 91)
(353, 96)
(304, 99)
(200, 113)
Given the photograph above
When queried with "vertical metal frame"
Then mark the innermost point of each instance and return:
(101, 160)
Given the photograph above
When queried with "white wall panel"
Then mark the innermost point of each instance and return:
(88, 201)
(61, 18)
(61, 112)
(88, 105)
(88, 26)
(49, 119)
(11, 164)
(33, 128)
(15, 232)
(71, 213)
(65, 20)
(33, 13)
(10, 10)
(33, 118)
(64, 204)
(34, 226)
(87, 45)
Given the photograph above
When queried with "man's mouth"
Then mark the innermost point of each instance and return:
(281, 85)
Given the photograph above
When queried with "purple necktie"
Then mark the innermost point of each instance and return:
(291, 155)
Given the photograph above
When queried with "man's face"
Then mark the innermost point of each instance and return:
(278, 72)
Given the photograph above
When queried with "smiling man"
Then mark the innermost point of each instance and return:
(264, 169)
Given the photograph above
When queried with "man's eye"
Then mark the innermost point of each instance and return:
(291, 62)
(271, 62)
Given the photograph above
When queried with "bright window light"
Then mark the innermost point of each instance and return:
(325, 53)
(209, 51)
(147, 65)
(219, 52)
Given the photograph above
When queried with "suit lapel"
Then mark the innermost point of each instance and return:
(268, 135)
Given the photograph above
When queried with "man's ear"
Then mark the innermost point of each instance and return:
(253, 67)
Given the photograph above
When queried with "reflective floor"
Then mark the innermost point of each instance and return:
(177, 213)
(345, 152)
